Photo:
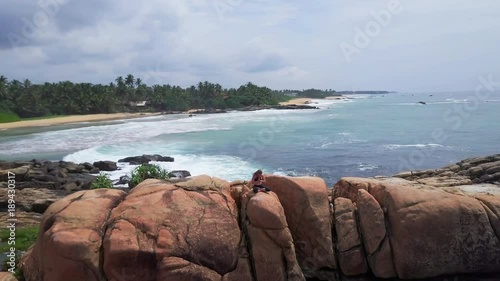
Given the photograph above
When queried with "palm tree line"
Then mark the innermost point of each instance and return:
(26, 99)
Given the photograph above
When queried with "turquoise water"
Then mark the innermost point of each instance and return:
(364, 136)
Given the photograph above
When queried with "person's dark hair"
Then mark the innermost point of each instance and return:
(257, 173)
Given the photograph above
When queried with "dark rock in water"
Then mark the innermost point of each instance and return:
(209, 111)
(132, 159)
(84, 181)
(94, 171)
(123, 180)
(88, 166)
(144, 159)
(106, 165)
(179, 174)
(71, 167)
(422, 102)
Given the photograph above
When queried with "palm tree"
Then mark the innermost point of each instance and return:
(138, 82)
(27, 84)
(119, 81)
(129, 80)
(3, 83)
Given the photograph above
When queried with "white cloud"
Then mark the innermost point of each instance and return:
(429, 46)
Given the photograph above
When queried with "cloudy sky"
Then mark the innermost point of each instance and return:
(417, 46)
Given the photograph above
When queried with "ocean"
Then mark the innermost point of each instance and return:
(364, 136)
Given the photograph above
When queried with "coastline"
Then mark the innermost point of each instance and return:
(297, 101)
(73, 119)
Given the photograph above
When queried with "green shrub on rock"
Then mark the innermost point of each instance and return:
(102, 181)
(147, 171)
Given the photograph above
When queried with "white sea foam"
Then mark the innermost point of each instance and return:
(222, 166)
(398, 146)
(366, 167)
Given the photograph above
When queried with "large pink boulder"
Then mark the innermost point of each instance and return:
(69, 243)
(349, 245)
(271, 243)
(183, 231)
(429, 231)
(307, 210)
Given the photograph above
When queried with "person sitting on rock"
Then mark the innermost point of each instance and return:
(257, 181)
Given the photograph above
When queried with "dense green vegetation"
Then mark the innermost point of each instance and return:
(27, 100)
(309, 93)
(147, 171)
(7, 116)
(102, 181)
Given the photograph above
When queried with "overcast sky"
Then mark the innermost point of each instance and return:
(425, 46)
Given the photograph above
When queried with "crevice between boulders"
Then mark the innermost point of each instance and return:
(103, 234)
(242, 220)
(489, 213)
(334, 237)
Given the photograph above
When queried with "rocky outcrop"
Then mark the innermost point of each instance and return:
(351, 255)
(145, 159)
(106, 165)
(417, 226)
(70, 239)
(31, 199)
(412, 230)
(473, 170)
(185, 231)
(7, 276)
(271, 243)
(305, 202)
(60, 175)
(180, 174)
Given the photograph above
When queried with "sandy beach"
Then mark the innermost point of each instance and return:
(73, 119)
(336, 98)
(297, 101)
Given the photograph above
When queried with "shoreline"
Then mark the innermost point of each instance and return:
(74, 119)
(299, 103)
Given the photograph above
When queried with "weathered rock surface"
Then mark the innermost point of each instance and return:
(349, 246)
(305, 202)
(373, 229)
(271, 243)
(433, 231)
(7, 276)
(186, 231)
(468, 171)
(70, 238)
(421, 225)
